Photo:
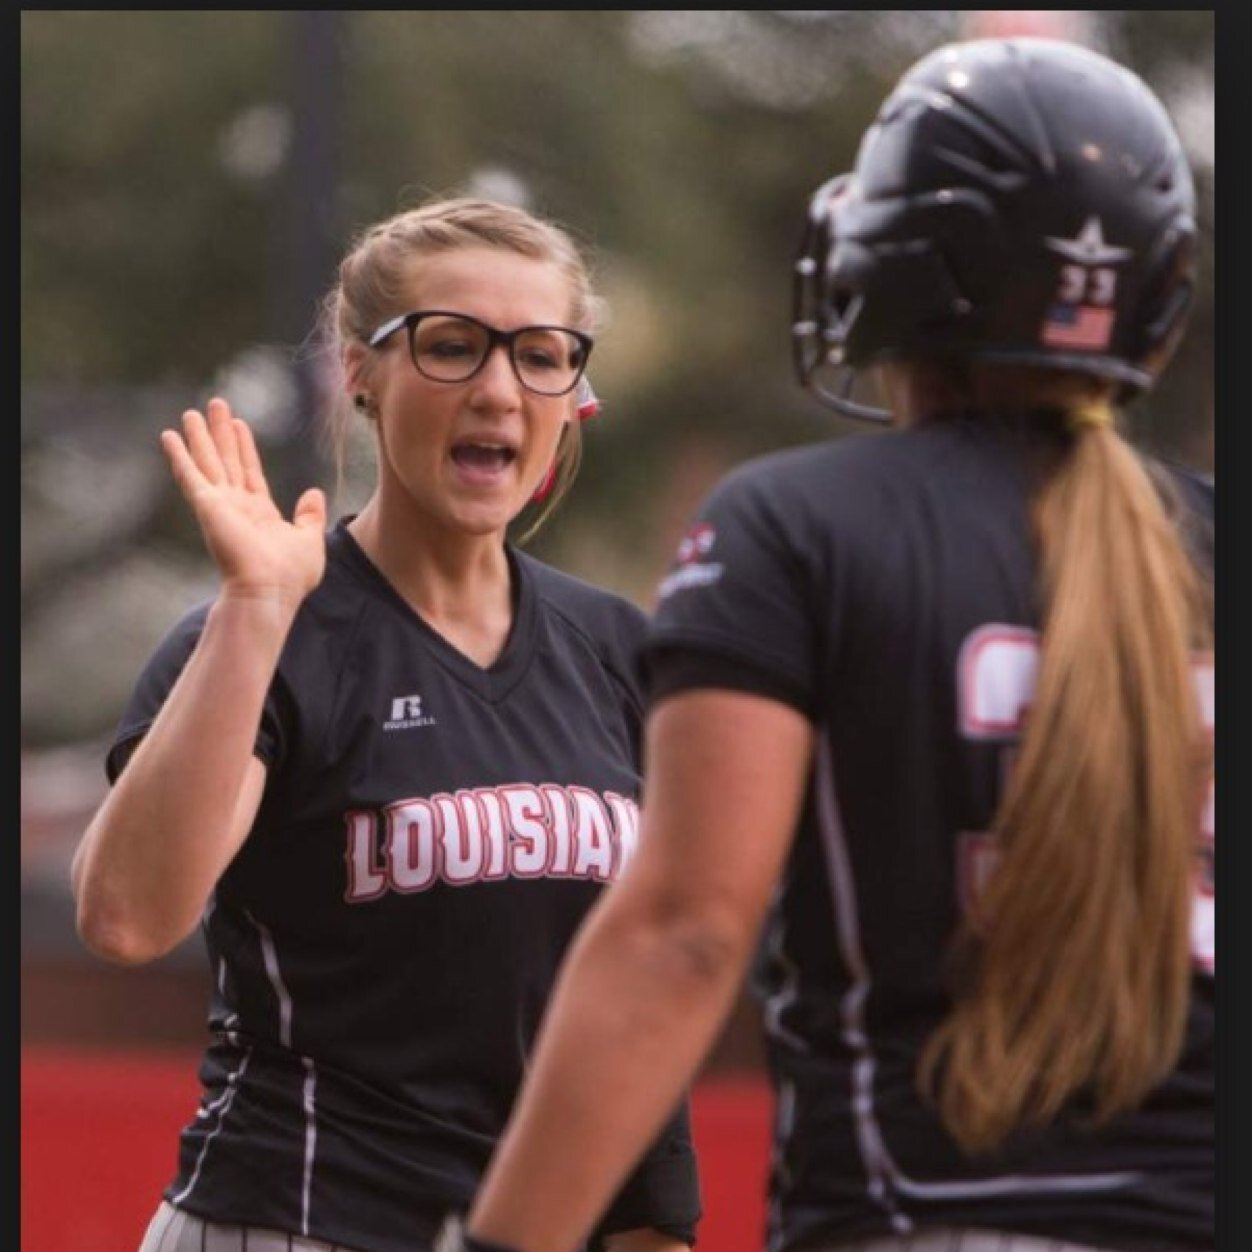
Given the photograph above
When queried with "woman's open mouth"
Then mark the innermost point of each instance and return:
(483, 463)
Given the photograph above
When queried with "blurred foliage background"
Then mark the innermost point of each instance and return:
(189, 180)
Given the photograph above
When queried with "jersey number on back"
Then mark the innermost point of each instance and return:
(996, 683)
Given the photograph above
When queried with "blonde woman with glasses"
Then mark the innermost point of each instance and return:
(388, 770)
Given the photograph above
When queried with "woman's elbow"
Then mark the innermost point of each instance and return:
(121, 940)
(699, 951)
(695, 947)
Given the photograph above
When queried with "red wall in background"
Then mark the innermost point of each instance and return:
(99, 1141)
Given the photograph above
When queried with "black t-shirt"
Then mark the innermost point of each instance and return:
(382, 947)
(885, 585)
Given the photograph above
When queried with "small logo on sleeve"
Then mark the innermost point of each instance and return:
(690, 569)
(406, 713)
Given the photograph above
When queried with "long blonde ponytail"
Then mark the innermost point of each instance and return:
(1080, 969)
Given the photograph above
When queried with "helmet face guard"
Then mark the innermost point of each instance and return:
(1024, 201)
(820, 322)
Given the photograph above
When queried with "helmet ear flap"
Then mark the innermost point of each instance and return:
(1169, 291)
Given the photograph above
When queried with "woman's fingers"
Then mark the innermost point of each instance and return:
(250, 459)
(217, 465)
(201, 447)
(222, 449)
(186, 474)
(310, 510)
(222, 429)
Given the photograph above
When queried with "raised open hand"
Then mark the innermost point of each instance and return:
(257, 551)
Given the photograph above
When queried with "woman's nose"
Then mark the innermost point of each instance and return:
(496, 375)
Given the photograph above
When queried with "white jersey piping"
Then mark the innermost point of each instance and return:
(884, 1174)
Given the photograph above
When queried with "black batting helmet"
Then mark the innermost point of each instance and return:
(1020, 200)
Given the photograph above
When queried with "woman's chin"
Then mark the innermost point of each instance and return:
(488, 516)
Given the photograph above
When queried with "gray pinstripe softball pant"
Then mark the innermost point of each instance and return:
(172, 1230)
(945, 1239)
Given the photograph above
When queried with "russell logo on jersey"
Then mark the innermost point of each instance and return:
(406, 712)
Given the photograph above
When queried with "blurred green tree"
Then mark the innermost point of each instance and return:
(188, 179)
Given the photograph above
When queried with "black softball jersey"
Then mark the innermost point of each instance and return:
(382, 947)
(885, 585)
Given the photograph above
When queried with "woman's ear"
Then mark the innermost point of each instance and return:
(354, 362)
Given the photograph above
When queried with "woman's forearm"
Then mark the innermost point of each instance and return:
(638, 1005)
(653, 974)
(186, 798)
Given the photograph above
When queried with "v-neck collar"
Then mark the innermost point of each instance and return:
(492, 683)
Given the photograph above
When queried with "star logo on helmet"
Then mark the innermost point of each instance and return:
(1089, 247)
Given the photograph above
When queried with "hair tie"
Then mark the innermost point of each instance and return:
(1089, 417)
(588, 401)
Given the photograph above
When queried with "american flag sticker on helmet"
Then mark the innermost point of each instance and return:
(1084, 326)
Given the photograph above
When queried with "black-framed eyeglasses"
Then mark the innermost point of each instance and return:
(449, 347)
